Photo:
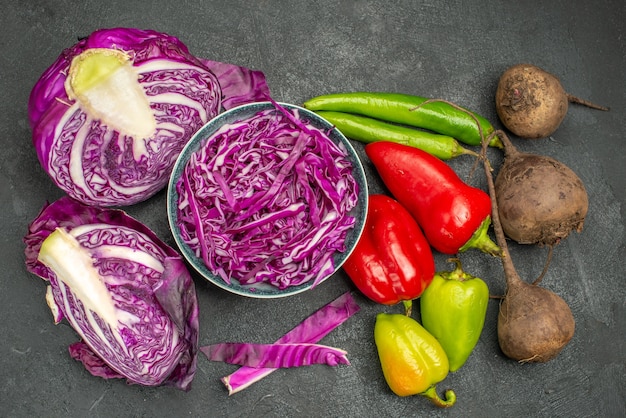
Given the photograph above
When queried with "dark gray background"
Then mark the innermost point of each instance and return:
(446, 49)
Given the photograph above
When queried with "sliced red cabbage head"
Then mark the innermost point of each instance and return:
(128, 295)
(111, 114)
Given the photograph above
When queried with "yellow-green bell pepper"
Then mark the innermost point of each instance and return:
(412, 360)
(453, 309)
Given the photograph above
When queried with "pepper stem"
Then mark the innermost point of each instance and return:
(460, 150)
(408, 307)
(447, 402)
(458, 269)
(481, 240)
(458, 273)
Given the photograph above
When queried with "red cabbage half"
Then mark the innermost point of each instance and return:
(267, 199)
(112, 113)
(127, 294)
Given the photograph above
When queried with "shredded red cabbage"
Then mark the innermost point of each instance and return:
(267, 199)
(311, 330)
(275, 355)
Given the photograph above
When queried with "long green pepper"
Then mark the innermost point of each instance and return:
(437, 116)
(367, 130)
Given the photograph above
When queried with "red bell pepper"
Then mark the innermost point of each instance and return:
(453, 215)
(392, 262)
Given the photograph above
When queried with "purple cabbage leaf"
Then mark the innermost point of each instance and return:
(111, 114)
(275, 355)
(311, 330)
(127, 294)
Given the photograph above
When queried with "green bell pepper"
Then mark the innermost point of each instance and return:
(453, 309)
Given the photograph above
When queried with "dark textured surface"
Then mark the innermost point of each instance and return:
(453, 50)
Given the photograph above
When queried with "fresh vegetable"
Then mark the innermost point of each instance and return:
(540, 199)
(453, 309)
(367, 130)
(128, 295)
(453, 215)
(268, 199)
(275, 355)
(420, 112)
(311, 330)
(111, 114)
(392, 261)
(534, 323)
(412, 360)
(531, 102)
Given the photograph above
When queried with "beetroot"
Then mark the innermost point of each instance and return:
(534, 323)
(540, 200)
(532, 103)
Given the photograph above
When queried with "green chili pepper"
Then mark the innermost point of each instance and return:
(412, 360)
(366, 129)
(453, 309)
(437, 115)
